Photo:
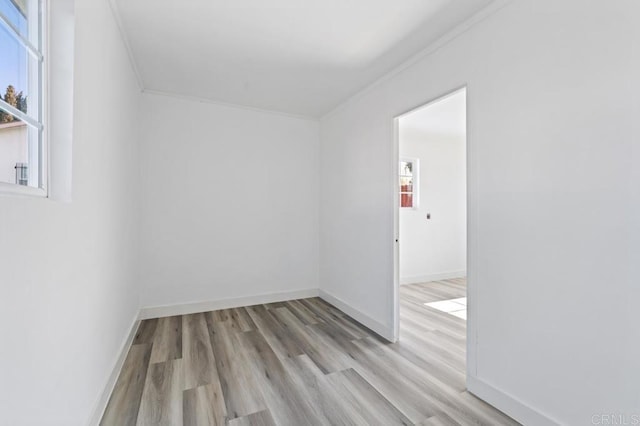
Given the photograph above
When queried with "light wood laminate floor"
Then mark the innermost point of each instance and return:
(297, 363)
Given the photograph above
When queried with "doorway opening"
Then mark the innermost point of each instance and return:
(431, 227)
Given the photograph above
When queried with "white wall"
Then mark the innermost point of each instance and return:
(553, 208)
(13, 149)
(434, 249)
(230, 202)
(68, 286)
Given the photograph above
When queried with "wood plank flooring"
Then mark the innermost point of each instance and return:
(302, 362)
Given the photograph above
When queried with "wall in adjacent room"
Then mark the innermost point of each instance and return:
(69, 270)
(436, 248)
(229, 201)
(553, 203)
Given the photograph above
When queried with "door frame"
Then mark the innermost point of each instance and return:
(471, 228)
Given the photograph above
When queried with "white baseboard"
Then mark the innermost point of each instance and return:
(509, 405)
(432, 277)
(212, 305)
(364, 319)
(102, 402)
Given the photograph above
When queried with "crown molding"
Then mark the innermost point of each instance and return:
(431, 48)
(228, 104)
(115, 10)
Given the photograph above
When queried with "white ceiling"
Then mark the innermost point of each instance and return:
(296, 56)
(447, 116)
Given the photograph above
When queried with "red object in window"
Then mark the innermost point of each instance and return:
(406, 200)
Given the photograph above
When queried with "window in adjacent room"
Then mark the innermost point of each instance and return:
(22, 148)
(409, 182)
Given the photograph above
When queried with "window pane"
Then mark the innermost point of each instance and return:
(406, 184)
(406, 168)
(14, 151)
(19, 70)
(14, 71)
(19, 87)
(406, 200)
(17, 12)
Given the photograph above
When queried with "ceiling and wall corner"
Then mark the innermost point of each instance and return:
(493, 7)
(283, 57)
(117, 16)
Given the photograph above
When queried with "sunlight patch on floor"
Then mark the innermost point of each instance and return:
(456, 307)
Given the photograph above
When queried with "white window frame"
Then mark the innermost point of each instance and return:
(415, 174)
(39, 156)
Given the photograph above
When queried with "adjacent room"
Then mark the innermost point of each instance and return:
(433, 202)
(319, 213)
(432, 229)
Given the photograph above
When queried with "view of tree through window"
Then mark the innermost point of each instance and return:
(17, 100)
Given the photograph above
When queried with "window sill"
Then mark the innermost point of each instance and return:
(10, 189)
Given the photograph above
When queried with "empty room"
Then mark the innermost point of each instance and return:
(286, 212)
